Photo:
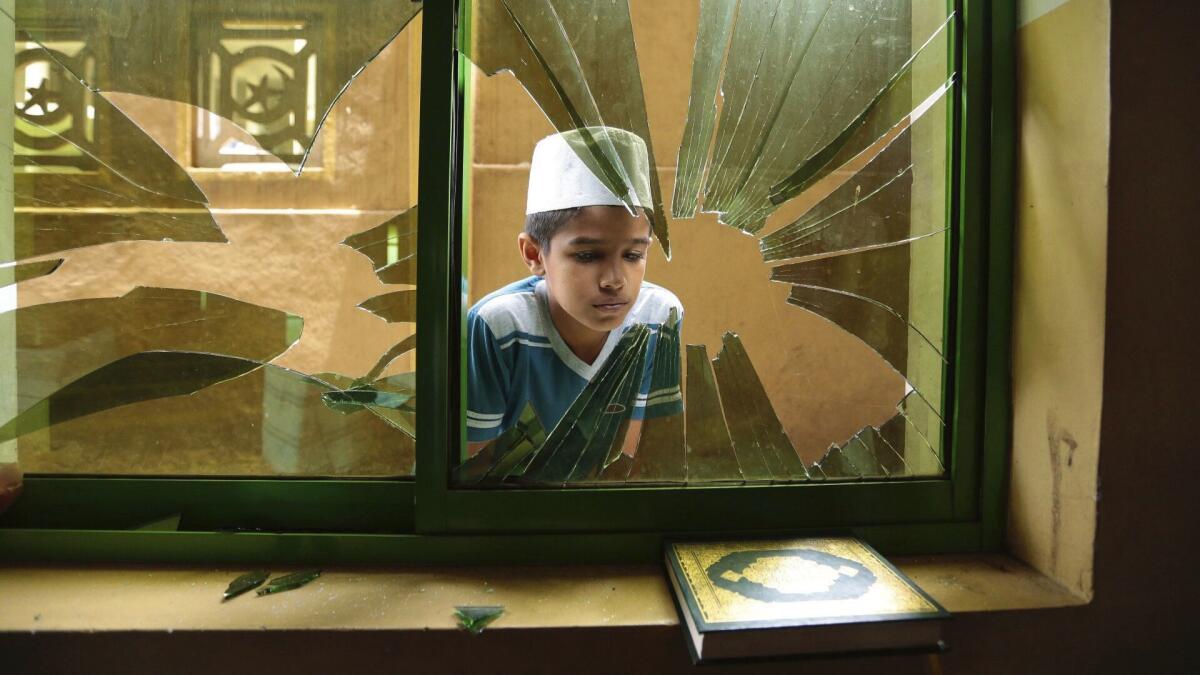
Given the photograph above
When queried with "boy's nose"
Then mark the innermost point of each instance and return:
(612, 278)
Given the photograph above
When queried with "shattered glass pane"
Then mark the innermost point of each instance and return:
(579, 62)
(169, 305)
(806, 87)
(274, 67)
(823, 130)
(872, 208)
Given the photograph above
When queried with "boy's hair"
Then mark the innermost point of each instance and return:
(543, 224)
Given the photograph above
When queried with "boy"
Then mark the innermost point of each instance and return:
(540, 340)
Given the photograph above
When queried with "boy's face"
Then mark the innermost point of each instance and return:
(594, 267)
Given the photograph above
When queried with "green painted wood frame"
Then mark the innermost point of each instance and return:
(425, 521)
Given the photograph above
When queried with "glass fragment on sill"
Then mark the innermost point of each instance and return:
(246, 582)
(474, 619)
(710, 455)
(391, 246)
(874, 206)
(579, 64)
(792, 85)
(586, 440)
(15, 274)
(394, 307)
(759, 441)
(288, 582)
(169, 54)
(660, 456)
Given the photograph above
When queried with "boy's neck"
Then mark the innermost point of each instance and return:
(583, 341)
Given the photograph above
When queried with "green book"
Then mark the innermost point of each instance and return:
(770, 598)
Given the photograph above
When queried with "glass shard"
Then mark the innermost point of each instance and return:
(863, 459)
(246, 582)
(579, 63)
(85, 174)
(391, 247)
(875, 441)
(759, 441)
(883, 112)
(273, 68)
(804, 86)
(507, 455)
(132, 379)
(710, 455)
(393, 307)
(716, 23)
(15, 274)
(835, 465)
(288, 582)
(474, 619)
(874, 206)
(661, 456)
(923, 435)
(63, 341)
(876, 326)
(584, 441)
(874, 275)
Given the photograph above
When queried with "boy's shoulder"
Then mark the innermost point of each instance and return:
(514, 307)
(654, 303)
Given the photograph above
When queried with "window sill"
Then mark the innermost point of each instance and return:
(156, 598)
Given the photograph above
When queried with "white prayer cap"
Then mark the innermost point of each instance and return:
(564, 173)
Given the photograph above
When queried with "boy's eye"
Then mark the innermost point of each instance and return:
(634, 256)
(586, 256)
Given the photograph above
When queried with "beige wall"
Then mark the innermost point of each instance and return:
(825, 384)
(1059, 292)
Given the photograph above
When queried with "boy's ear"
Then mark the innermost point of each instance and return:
(531, 254)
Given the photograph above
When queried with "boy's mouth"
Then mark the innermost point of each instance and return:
(610, 307)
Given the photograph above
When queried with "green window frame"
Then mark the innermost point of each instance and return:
(423, 520)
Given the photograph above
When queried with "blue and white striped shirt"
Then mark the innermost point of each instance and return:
(516, 356)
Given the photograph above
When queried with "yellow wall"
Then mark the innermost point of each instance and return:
(1059, 292)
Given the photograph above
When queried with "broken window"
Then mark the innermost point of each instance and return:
(799, 167)
(172, 304)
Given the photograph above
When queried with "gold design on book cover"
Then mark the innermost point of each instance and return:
(795, 580)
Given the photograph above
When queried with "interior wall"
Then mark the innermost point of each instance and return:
(1063, 109)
